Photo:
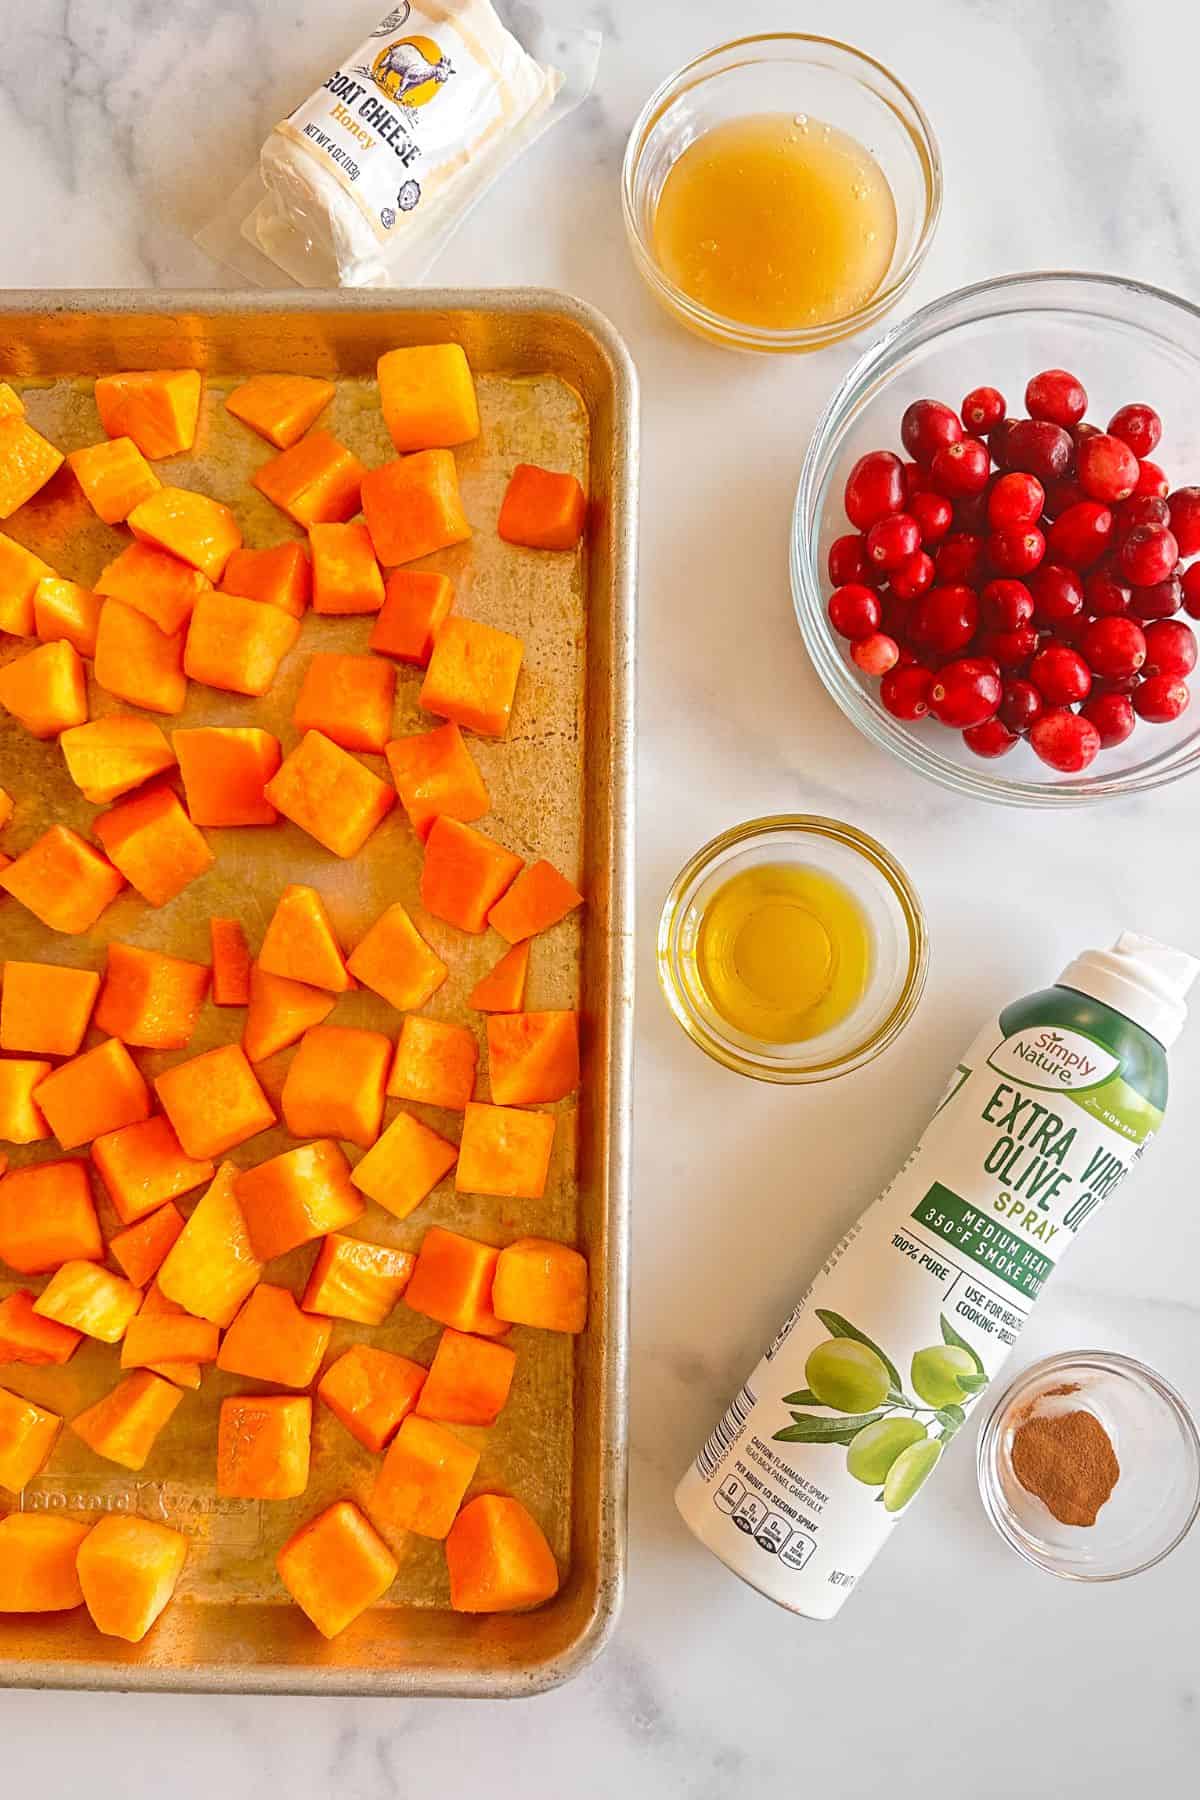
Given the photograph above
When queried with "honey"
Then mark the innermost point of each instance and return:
(777, 221)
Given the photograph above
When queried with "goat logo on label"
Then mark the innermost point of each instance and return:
(411, 71)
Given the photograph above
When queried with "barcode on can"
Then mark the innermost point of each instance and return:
(726, 1435)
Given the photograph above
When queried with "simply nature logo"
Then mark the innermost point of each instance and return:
(1055, 1059)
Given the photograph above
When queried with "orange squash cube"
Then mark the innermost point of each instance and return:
(45, 689)
(394, 960)
(27, 1436)
(533, 1058)
(370, 1392)
(20, 572)
(155, 583)
(138, 662)
(143, 1165)
(321, 788)
(472, 676)
(416, 604)
(280, 407)
(315, 482)
(155, 1339)
(498, 1558)
(37, 1563)
(237, 644)
(63, 881)
(230, 963)
(45, 1007)
(194, 527)
(225, 769)
(212, 1268)
(25, 1337)
(47, 1217)
(108, 757)
(10, 400)
(354, 1280)
(464, 874)
(537, 899)
(452, 1283)
(468, 1382)
(427, 396)
(435, 774)
(150, 999)
(99, 1091)
(335, 1567)
(300, 942)
(403, 1166)
(335, 1085)
(542, 509)
(280, 1012)
(541, 1283)
(504, 1151)
(27, 461)
(89, 1299)
(412, 506)
(435, 1063)
(502, 989)
(124, 1425)
(158, 408)
(154, 844)
(128, 1569)
(156, 1305)
(297, 1196)
(280, 576)
(349, 698)
(140, 1249)
(214, 1102)
(21, 1118)
(346, 576)
(65, 612)
(263, 1446)
(6, 807)
(425, 1474)
(272, 1340)
(115, 477)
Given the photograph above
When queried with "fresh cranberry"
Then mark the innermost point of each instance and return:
(990, 739)
(1159, 601)
(1081, 535)
(1113, 717)
(893, 540)
(1060, 495)
(1057, 396)
(876, 654)
(982, 410)
(1005, 604)
(912, 476)
(1010, 649)
(963, 468)
(946, 619)
(1120, 684)
(1140, 509)
(905, 691)
(1114, 647)
(1020, 705)
(1015, 501)
(907, 656)
(1190, 583)
(926, 426)
(1016, 552)
(897, 615)
(971, 513)
(965, 692)
(1184, 512)
(1170, 648)
(1066, 740)
(1106, 469)
(1152, 480)
(959, 558)
(1138, 426)
(998, 441)
(934, 515)
(854, 611)
(1160, 699)
(1149, 554)
(1104, 593)
(874, 489)
(847, 560)
(914, 576)
(1081, 432)
(1039, 448)
(1060, 675)
(1057, 595)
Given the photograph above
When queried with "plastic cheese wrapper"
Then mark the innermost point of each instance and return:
(367, 180)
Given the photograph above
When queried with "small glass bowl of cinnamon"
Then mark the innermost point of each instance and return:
(1089, 1466)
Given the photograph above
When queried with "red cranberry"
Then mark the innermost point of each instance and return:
(982, 410)
(1121, 684)
(960, 558)
(1114, 647)
(1170, 648)
(1106, 469)
(934, 515)
(1060, 675)
(1057, 396)
(1138, 426)
(897, 615)
(1020, 705)
(893, 540)
(1149, 554)
(1057, 595)
(907, 656)
(1005, 604)
(1184, 505)
(1152, 480)
(963, 468)
(971, 513)
(876, 654)
(1065, 740)
(874, 489)
(1011, 649)
(1081, 432)
(926, 426)
(1140, 509)
(1060, 495)
(914, 576)
(1160, 699)
(1015, 501)
(1016, 552)
(1190, 583)
(946, 619)
(1113, 717)
(912, 475)
(998, 440)
(1039, 448)
(1159, 601)
(905, 691)
(847, 560)
(1104, 593)
(854, 611)
(990, 739)
(1081, 535)
(965, 692)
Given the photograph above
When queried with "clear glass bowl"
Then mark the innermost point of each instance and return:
(785, 72)
(896, 923)
(1157, 1497)
(1126, 342)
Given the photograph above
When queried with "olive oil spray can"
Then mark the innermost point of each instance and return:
(885, 1357)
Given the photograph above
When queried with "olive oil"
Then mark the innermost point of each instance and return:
(783, 952)
(776, 220)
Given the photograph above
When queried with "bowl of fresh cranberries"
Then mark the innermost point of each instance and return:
(996, 544)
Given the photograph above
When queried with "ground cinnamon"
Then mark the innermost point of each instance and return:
(1068, 1462)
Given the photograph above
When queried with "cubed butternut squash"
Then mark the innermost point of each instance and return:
(140, 1249)
(152, 841)
(128, 1569)
(280, 407)
(345, 575)
(27, 1436)
(158, 408)
(63, 881)
(155, 1305)
(279, 576)
(27, 461)
(321, 788)
(502, 989)
(67, 613)
(472, 676)
(48, 1217)
(435, 1063)
(436, 774)
(212, 1268)
(315, 482)
(394, 960)
(355, 1280)
(142, 1166)
(301, 944)
(20, 572)
(194, 527)
(403, 1165)
(541, 1283)
(349, 698)
(469, 1380)
(154, 1339)
(297, 1196)
(45, 689)
(425, 1474)
(138, 662)
(150, 999)
(464, 874)
(224, 770)
(37, 1563)
(335, 1085)
(25, 1337)
(537, 899)
(427, 396)
(504, 1151)
(335, 1567)
(412, 506)
(230, 963)
(370, 1391)
(45, 1008)
(124, 1425)
(452, 1283)
(109, 757)
(237, 644)
(416, 604)
(21, 1118)
(214, 1102)
(10, 400)
(115, 477)
(155, 583)
(100, 1090)
(533, 1058)
(272, 1340)
(498, 1558)
(280, 1012)
(90, 1299)
(542, 509)
(263, 1446)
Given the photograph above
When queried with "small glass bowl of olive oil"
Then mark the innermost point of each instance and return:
(792, 949)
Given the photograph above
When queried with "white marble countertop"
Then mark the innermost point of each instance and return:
(1068, 137)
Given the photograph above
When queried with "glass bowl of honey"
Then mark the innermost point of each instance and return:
(781, 192)
(793, 948)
